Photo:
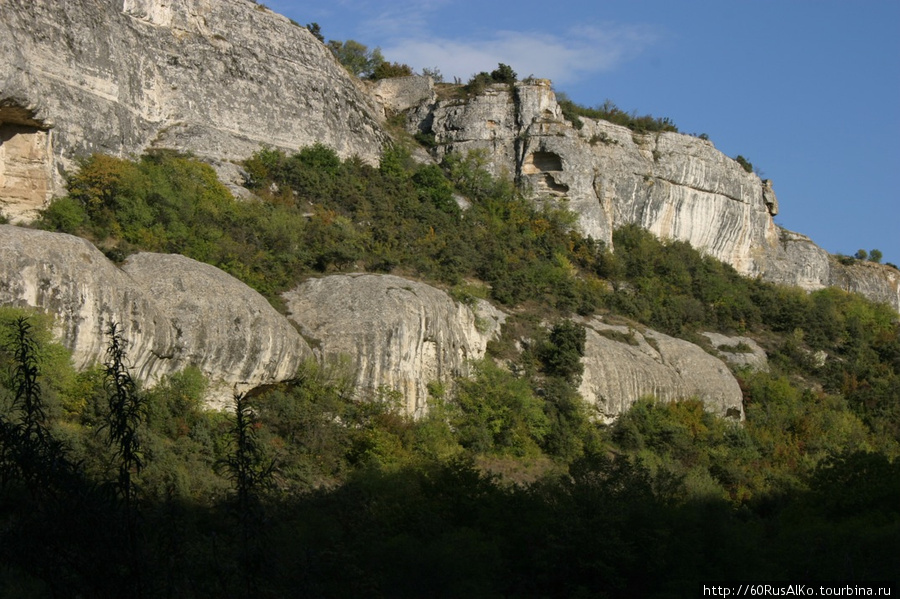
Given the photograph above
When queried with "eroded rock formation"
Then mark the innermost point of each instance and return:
(622, 365)
(174, 311)
(221, 326)
(215, 78)
(399, 334)
(739, 351)
(676, 186)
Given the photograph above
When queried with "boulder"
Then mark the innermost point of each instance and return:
(623, 364)
(174, 312)
(399, 334)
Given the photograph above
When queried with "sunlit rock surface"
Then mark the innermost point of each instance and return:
(622, 365)
(399, 334)
(173, 312)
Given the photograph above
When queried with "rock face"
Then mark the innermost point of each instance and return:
(399, 334)
(738, 351)
(621, 365)
(173, 311)
(676, 186)
(69, 278)
(217, 78)
(221, 326)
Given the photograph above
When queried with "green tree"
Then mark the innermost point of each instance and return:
(499, 413)
(316, 30)
(563, 351)
(861, 254)
(356, 57)
(386, 70)
(875, 256)
(123, 419)
(250, 473)
(504, 74)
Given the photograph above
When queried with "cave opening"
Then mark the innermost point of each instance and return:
(541, 162)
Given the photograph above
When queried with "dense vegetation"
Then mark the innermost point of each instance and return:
(508, 487)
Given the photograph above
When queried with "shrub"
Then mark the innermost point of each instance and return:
(608, 111)
(745, 164)
(498, 413)
(356, 57)
(386, 70)
(503, 74)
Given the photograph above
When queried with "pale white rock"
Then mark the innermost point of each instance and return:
(221, 326)
(739, 351)
(72, 280)
(173, 312)
(218, 78)
(399, 334)
(623, 364)
(397, 94)
(676, 186)
(878, 282)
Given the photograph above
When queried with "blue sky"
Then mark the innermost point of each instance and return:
(808, 91)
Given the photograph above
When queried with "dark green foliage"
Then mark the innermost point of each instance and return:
(29, 451)
(745, 164)
(316, 30)
(478, 82)
(504, 74)
(673, 288)
(498, 412)
(386, 70)
(562, 353)
(875, 256)
(356, 57)
(368, 501)
(124, 415)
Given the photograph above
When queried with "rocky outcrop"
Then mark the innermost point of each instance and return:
(399, 334)
(622, 365)
(740, 352)
(221, 326)
(676, 186)
(173, 311)
(397, 94)
(69, 278)
(877, 282)
(215, 78)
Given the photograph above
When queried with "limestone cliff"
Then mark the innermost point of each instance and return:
(174, 311)
(217, 78)
(676, 186)
(399, 334)
(622, 365)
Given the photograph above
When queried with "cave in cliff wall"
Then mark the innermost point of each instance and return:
(26, 163)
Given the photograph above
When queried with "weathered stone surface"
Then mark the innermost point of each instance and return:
(676, 186)
(69, 278)
(621, 365)
(174, 311)
(397, 94)
(399, 334)
(215, 78)
(878, 282)
(224, 328)
(742, 352)
(26, 179)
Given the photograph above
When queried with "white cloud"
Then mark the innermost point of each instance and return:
(564, 59)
